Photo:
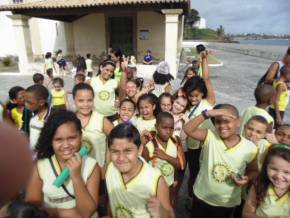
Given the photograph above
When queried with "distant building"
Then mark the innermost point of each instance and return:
(93, 26)
(201, 24)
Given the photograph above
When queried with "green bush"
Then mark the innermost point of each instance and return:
(204, 34)
(7, 61)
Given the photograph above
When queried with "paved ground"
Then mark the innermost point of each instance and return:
(234, 83)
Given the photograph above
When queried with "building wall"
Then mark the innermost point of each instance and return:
(89, 34)
(155, 23)
(7, 42)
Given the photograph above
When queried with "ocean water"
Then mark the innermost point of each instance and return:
(276, 42)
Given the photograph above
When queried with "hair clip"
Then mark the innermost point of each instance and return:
(283, 146)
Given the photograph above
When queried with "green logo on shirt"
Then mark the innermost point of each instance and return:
(221, 172)
(104, 95)
(166, 169)
(122, 212)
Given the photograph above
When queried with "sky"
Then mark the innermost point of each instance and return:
(246, 16)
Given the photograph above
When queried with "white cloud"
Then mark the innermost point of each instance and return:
(236, 16)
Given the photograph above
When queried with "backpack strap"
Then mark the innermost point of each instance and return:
(177, 141)
(56, 175)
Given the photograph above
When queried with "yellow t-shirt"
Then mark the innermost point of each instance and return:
(166, 168)
(273, 206)
(207, 124)
(213, 184)
(129, 200)
(254, 111)
(284, 99)
(263, 147)
(17, 117)
(54, 197)
(57, 97)
(94, 135)
(104, 101)
(142, 124)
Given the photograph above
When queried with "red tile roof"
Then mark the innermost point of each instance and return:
(57, 4)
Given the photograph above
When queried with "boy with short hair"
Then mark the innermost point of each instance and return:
(228, 162)
(36, 101)
(264, 95)
(38, 78)
(255, 131)
(164, 151)
(282, 134)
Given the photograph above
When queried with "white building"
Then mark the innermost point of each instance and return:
(201, 24)
(92, 26)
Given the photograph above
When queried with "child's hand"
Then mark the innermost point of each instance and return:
(160, 154)
(272, 138)
(146, 137)
(74, 164)
(150, 86)
(155, 208)
(240, 180)
(221, 112)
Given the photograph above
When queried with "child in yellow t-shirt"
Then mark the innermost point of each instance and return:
(16, 95)
(270, 197)
(264, 95)
(58, 94)
(255, 131)
(164, 151)
(228, 162)
(127, 111)
(277, 110)
(135, 188)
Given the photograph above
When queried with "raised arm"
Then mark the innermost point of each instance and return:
(191, 128)
(124, 79)
(271, 72)
(249, 210)
(205, 69)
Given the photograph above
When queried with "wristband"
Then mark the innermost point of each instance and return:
(205, 114)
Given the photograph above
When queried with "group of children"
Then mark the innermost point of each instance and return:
(141, 138)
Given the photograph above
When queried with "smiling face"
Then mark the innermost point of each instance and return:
(124, 155)
(283, 135)
(226, 126)
(165, 104)
(126, 111)
(107, 71)
(66, 141)
(84, 101)
(195, 97)
(179, 105)
(255, 130)
(146, 110)
(278, 171)
(131, 89)
(165, 129)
